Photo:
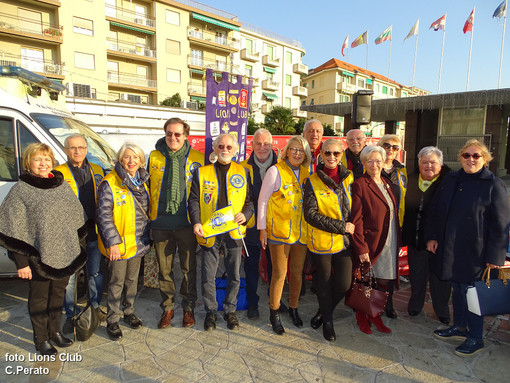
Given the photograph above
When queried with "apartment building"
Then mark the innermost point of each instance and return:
(336, 81)
(144, 51)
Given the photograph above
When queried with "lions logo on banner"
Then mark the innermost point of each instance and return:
(221, 221)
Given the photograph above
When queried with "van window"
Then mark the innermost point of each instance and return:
(7, 156)
(25, 138)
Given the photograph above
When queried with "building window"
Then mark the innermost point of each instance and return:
(221, 63)
(248, 70)
(377, 88)
(270, 52)
(173, 47)
(172, 17)
(32, 59)
(385, 90)
(29, 21)
(197, 57)
(288, 102)
(288, 57)
(269, 76)
(288, 79)
(404, 94)
(313, 84)
(391, 91)
(361, 83)
(311, 103)
(84, 60)
(249, 46)
(173, 75)
(461, 121)
(83, 26)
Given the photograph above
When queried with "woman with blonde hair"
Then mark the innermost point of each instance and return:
(123, 225)
(282, 226)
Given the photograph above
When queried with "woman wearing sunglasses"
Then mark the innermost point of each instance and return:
(327, 208)
(396, 173)
(282, 226)
(468, 231)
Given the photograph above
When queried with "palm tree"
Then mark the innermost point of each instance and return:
(279, 121)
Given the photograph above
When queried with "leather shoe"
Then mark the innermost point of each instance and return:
(114, 331)
(328, 331)
(296, 319)
(391, 314)
(469, 347)
(232, 322)
(444, 320)
(283, 308)
(133, 321)
(316, 320)
(210, 322)
(253, 312)
(413, 313)
(46, 348)
(166, 318)
(451, 332)
(188, 319)
(60, 340)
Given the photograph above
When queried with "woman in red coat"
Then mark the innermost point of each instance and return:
(376, 235)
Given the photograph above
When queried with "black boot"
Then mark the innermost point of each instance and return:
(296, 319)
(316, 320)
(274, 318)
(328, 331)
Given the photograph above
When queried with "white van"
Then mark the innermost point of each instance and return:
(32, 109)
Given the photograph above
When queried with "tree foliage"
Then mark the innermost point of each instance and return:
(174, 101)
(279, 121)
(252, 126)
(328, 130)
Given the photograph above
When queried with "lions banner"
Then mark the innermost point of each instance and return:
(226, 111)
(221, 221)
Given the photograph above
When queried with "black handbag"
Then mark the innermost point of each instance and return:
(86, 322)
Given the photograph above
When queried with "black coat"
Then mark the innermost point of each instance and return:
(469, 219)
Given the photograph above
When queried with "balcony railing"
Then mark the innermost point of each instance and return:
(130, 16)
(48, 67)
(217, 65)
(130, 79)
(254, 57)
(270, 61)
(23, 25)
(300, 91)
(300, 68)
(213, 38)
(296, 112)
(194, 88)
(125, 47)
(344, 87)
(270, 85)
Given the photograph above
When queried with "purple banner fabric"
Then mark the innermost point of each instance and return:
(226, 111)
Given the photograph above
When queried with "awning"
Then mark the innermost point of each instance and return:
(131, 27)
(197, 71)
(347, 74)
(197, 98)
(215, 22)
(270, 96)
(369, 81)
(269, 70)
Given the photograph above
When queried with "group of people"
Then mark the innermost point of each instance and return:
(340, 208)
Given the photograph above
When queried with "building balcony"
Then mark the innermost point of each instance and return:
(296, 112)
(266, 108)
(253, 57)
(212, 40)
(28, 28)
(131, 80)
(270, 85)
(47, 67)
(300, 91)
(133, 18)
(51, 2)
(274, 62)
(201, 63)
(129, 50)
(196, 89)
(300, 68)
(344, 87)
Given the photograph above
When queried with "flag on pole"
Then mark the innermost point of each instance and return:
(414, 30)
(468, 26)
(221, 221)
(500, 10)
(360, 40)
(345, 45)
(385, 36)
(439, 23)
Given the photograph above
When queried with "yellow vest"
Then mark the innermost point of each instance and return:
(157, 165)
(251, 222)
(95, 170)
(236, 196)
(284, 218)
(124, 216)
(402, 184)
(319, 241)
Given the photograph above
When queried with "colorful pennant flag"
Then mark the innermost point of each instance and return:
(385, 36)
(360, 40)
(345, 45)
(414, 30)
(468, 26)
(439, 23)
(221, 221)
(500, 10)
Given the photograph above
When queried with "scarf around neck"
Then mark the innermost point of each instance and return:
(172, 191)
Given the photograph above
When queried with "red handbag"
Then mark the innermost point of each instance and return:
(364, 295)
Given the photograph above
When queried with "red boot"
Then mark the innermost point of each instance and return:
(363, 323)
(377, 321)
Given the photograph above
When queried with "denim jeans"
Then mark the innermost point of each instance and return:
(95, 281)
(462, 317)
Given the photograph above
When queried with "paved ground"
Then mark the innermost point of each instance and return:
(253, 353)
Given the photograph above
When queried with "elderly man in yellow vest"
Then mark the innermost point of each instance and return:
(170, 167)
(84, 178)
(224, 184)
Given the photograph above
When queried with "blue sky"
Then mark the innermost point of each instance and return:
(322, 25)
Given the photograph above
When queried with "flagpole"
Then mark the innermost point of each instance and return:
(366, 64)
(389, 64)
(414, 66)
(469, 61)
(502, 46)
(441, 63)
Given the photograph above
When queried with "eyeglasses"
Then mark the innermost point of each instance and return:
(476, 156)
(175, 134)
(387, 146)
(221, 147)
(301, 152)
(376, 162)
(356, 139)
(327, 153)
(77, 148)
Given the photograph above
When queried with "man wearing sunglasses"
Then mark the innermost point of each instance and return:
(171, 166)
(214, 187)
(356, 141)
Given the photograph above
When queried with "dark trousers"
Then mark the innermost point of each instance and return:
(251, 265)
(167, 243)
(419, 274)
(333, 279)
(462, 317)
(45, 302)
